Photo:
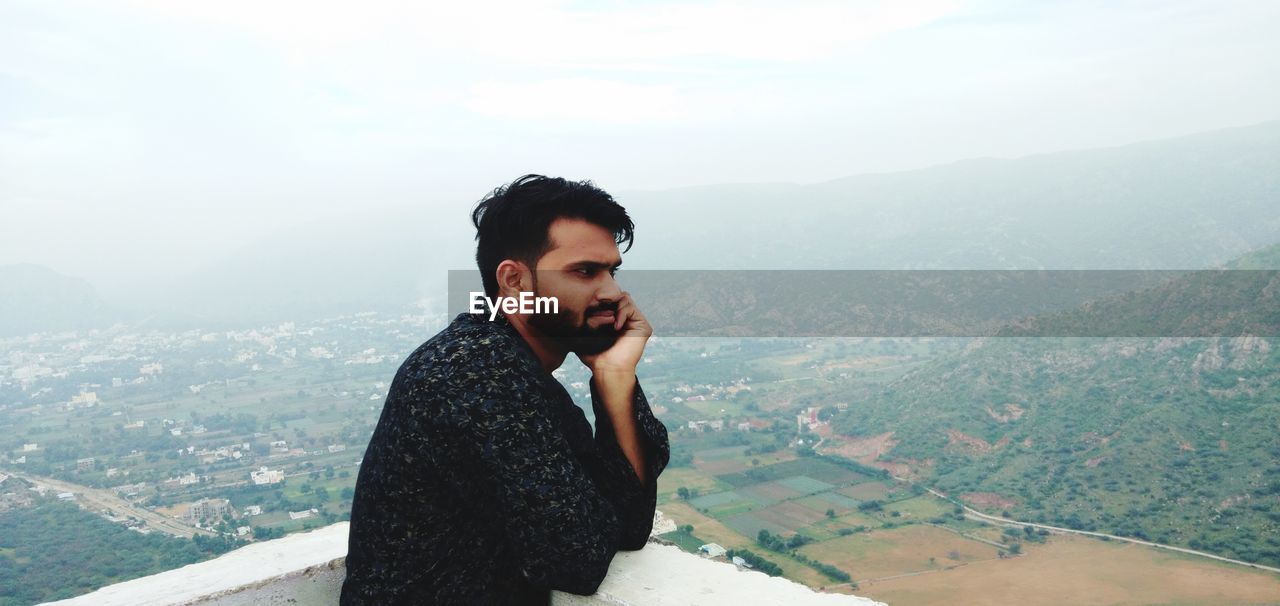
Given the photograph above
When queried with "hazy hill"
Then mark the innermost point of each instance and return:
(1185, 203)
(35, 299)
(382, 261)
(1172, 439)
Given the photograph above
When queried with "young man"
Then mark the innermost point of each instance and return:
(483, 483)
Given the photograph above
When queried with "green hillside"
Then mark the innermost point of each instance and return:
(1167, 438)
(1265, 258)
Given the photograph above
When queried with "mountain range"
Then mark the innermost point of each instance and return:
(1183, 203)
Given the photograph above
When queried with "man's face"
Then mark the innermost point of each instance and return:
(578, 272)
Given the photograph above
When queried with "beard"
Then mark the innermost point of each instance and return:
(577, 337)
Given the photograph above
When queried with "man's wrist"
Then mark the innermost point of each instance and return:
(617, 393)
(614, 378)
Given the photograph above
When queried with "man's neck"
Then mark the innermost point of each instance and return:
(549, 356)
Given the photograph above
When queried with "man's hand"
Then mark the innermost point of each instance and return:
(621, 359)
(614, 373)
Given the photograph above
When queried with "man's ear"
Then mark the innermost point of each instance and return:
(513, 278)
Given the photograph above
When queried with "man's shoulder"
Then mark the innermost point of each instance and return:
(468, 352)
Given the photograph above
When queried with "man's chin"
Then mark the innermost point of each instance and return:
(591, 345)
(585, 340)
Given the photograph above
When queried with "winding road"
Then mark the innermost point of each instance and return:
(976, 515)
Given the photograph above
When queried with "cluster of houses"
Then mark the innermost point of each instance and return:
(810, 417)
(183, 480)
(708, 391)
(719, 425)
(208, 512)
(207, 455)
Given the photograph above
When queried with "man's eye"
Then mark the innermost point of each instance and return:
(583, 271)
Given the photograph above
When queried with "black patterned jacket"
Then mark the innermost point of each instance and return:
(483, 484)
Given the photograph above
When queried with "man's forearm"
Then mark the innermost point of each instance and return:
(618, 392)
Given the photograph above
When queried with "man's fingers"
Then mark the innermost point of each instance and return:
(620, 317)
(625, 310)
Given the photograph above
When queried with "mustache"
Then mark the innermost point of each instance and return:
(613, 307)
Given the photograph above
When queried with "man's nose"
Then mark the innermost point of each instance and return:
(611, 291)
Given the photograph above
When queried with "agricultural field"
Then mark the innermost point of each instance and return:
(906, 548)
(1079, 570)
(731, 501)
(891, 552)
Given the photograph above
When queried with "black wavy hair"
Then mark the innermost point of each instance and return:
(514, 220)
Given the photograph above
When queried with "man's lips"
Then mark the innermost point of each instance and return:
(604, 315)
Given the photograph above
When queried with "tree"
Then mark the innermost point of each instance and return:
(683, 493)
(798, 540)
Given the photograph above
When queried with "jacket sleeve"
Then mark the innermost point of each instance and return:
(633, 502)
(563, 528)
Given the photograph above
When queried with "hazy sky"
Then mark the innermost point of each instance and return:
(144, 136)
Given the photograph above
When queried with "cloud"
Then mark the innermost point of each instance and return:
(576, 99)
(550, 32)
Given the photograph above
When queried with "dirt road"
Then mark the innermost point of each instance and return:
(97, 499)
(974, 514)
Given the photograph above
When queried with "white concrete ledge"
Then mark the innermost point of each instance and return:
(302, 568)
(308, 569)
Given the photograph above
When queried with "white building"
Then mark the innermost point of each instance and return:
(302, 515)
(712, 549)
(265, 476)
(661, 523)
(208, 509)
(85, 398)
